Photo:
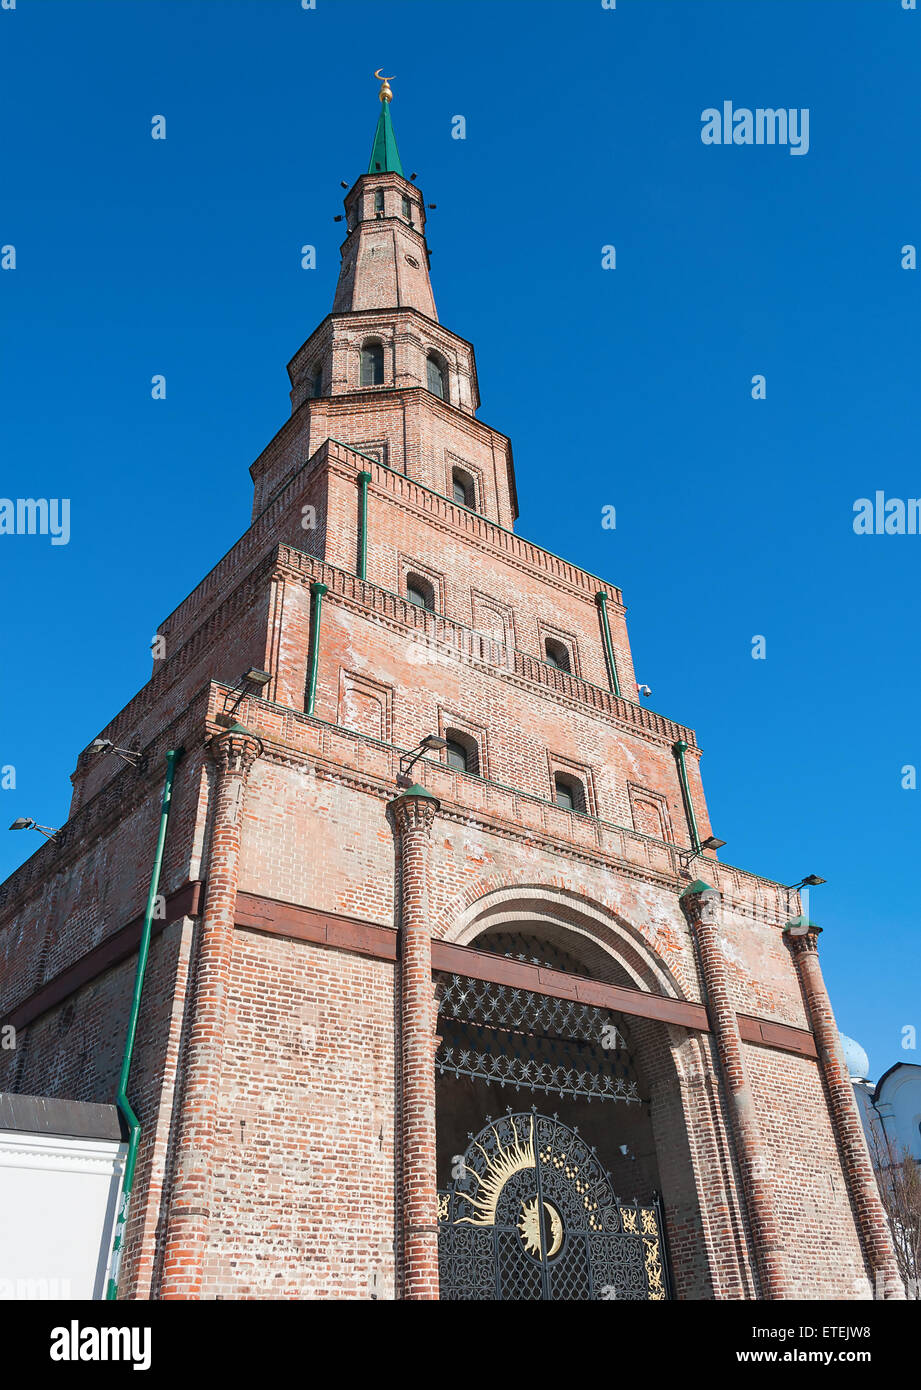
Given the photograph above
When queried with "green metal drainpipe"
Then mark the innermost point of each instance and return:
(363, 481)
(602, 601)
(121, 1100)
(679, 749)
(317, 591)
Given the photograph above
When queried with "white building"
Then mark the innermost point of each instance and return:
(892, 1105)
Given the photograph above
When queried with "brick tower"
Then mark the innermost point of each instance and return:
(448, 994)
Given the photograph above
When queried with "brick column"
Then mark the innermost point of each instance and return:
(234, 753)
(701, 904)
(802, 938)
(414, 813)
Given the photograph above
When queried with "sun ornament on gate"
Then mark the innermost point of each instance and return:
(534, 1216)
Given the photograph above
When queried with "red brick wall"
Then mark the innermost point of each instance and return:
(303, 1200)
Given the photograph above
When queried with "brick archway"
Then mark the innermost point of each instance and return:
(610, 944)
(707, 1228)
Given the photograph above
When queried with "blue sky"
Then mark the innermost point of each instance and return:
(629, 387)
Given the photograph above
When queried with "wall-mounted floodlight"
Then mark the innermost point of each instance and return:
(128, 755)
(810, 881)
(686, 855)
(431, 743)
(251, 682)
(27, 823)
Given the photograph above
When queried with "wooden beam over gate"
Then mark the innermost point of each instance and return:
(350, 934)
(255, 913)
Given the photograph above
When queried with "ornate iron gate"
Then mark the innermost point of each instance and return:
(531, 1214)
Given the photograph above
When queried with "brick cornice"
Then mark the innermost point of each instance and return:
(326, 768)
(403, 311)
(477, 529)
(392, 611)
(208, 630)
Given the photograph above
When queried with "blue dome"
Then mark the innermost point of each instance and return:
(858, 1063)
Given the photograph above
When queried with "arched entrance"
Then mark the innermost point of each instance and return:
(548, 1166)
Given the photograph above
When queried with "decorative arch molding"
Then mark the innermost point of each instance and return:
(608, 944)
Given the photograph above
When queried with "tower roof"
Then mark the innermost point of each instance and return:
(385, 157)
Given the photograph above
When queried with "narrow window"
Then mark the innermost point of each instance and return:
(462, 488)
(420, 592)
(316, 381)
(378, 200)
(372, 364)
(461, 753)
(435, 377)
(568, 792)
(556, 654)
(407, 208)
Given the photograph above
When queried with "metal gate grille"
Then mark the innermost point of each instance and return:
(531, 1215)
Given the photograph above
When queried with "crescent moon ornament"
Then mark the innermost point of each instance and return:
(385, 94)
(529, 1228)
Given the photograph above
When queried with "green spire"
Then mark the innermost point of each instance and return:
(385, 157)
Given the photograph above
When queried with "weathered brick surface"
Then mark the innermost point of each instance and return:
(303, 1178)
(286, 1088)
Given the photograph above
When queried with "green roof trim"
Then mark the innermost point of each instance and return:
(800, 925)
(384, 151)
(416, 790)
(698, 886)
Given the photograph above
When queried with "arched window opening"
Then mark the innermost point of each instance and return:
(379, 201)
(435, 377)
(568, 792)
(462, 489)
(316, 380)
(407, 209)
(556, 654)
(420, 592)
(461, 753)
(372, 364)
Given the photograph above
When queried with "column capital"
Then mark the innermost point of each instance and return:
(235, 750)
(701, 903)
(802, 936)
(415, 808)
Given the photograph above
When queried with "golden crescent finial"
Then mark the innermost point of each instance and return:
(385, 94)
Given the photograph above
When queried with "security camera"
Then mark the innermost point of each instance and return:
(643, 690)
